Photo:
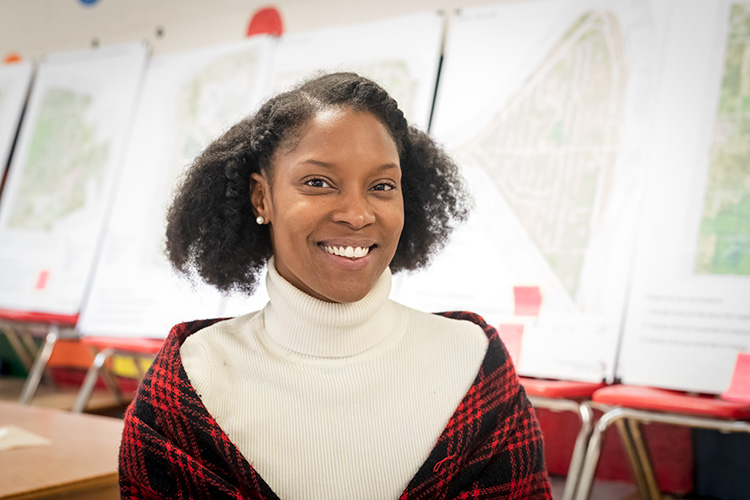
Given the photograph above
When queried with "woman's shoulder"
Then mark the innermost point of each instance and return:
(219, 333)
(456, 328)
(470, 317)
(459, 322)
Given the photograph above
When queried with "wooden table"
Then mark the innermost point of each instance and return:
(80, 463)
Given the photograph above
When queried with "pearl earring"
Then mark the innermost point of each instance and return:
(260, 220)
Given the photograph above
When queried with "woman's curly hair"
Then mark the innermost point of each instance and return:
(211, 230)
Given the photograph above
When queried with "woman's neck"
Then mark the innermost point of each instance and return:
(304, 325)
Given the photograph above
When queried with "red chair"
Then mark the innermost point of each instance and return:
(20, 328)
(629, 406)
(563, 395)
(106, 347)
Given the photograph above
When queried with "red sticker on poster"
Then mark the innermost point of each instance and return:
(528, 300)
(41, 280)
(739, 387)
(512, 336)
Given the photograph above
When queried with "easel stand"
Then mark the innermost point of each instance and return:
(20, 328)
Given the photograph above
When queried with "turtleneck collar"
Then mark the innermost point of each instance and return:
(301, 324)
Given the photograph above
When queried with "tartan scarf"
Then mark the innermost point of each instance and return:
(173, 448)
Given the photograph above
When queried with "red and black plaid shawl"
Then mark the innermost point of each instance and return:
(173, 448)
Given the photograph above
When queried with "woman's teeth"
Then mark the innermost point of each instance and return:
(351, 252)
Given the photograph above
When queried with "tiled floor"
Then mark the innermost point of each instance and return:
(602, 490)
(102, 402)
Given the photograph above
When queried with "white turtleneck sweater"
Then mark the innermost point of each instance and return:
(334, 401)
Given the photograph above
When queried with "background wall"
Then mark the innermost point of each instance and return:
(33, 27)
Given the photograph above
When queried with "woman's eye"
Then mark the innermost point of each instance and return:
(318, 183)
(384, 186)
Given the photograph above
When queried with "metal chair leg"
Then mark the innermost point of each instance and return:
(593, 451)
(579, 451)
(84, 394)
(40, 364)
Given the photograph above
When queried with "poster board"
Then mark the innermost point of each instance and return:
(62, 175)
(188, 100)
(14, 86)
(689, 308)
(402, 54)
(543, 104)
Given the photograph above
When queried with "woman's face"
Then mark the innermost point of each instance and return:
(335, 208)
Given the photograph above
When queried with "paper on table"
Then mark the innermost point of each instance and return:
(15, 437)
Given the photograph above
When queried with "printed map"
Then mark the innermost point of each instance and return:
(205, 105)
(212, 100)
(64, 163)
(552, 149)
(724, 234)
(392, 75)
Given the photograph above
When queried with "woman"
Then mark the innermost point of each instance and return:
(332, 391)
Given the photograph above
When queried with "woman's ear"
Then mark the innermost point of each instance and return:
(259, 196)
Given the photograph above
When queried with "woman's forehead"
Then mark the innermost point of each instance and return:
(343, 127)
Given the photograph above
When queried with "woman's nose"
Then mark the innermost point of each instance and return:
(354, 210)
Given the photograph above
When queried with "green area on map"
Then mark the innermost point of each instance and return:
(552, 148)
(65, 162)
(723, 245)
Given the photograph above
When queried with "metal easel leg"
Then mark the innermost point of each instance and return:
(84, 394)
(22, 352)
(636, 467)
(652, 487)
(40, 364)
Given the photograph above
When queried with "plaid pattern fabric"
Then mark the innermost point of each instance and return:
(492, 446)
(172, 448)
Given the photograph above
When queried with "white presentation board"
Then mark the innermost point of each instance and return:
(689, 311)
(61, 176)
(401, 54)
(544, 105)
(188, 100)
(14, 86)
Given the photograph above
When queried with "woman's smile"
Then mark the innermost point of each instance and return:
(356, 252)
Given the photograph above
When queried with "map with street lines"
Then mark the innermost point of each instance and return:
(213, 99)
(723, 245)
(393, 75)
(65, 162)
(552, 148)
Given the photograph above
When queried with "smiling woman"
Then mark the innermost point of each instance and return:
(332, 390)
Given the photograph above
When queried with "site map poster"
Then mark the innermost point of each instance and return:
(545, 107)
(689, 310)
(61, 177)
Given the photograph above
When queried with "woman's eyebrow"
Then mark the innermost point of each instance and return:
(389, 166)
(319, 163)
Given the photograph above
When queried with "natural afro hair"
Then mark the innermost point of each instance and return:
(211, 231)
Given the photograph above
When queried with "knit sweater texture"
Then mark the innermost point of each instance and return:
(330, 400)
(173, 447)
